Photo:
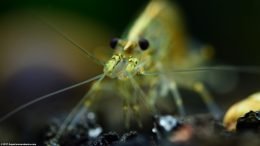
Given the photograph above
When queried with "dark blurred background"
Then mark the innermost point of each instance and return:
(230, 26)
(35, 61)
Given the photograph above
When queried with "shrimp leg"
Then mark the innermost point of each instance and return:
(207, 98)
(177, 97)
(171, 87)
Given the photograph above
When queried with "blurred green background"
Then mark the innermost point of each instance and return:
(36, 61)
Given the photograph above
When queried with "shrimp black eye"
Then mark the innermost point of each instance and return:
(113, 43)
(143, 43)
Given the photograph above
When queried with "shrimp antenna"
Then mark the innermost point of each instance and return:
(47, 96)
(66, 37)
(77, 110)
(242, 69)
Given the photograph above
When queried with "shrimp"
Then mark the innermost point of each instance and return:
(141, 67)
(150, 45)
